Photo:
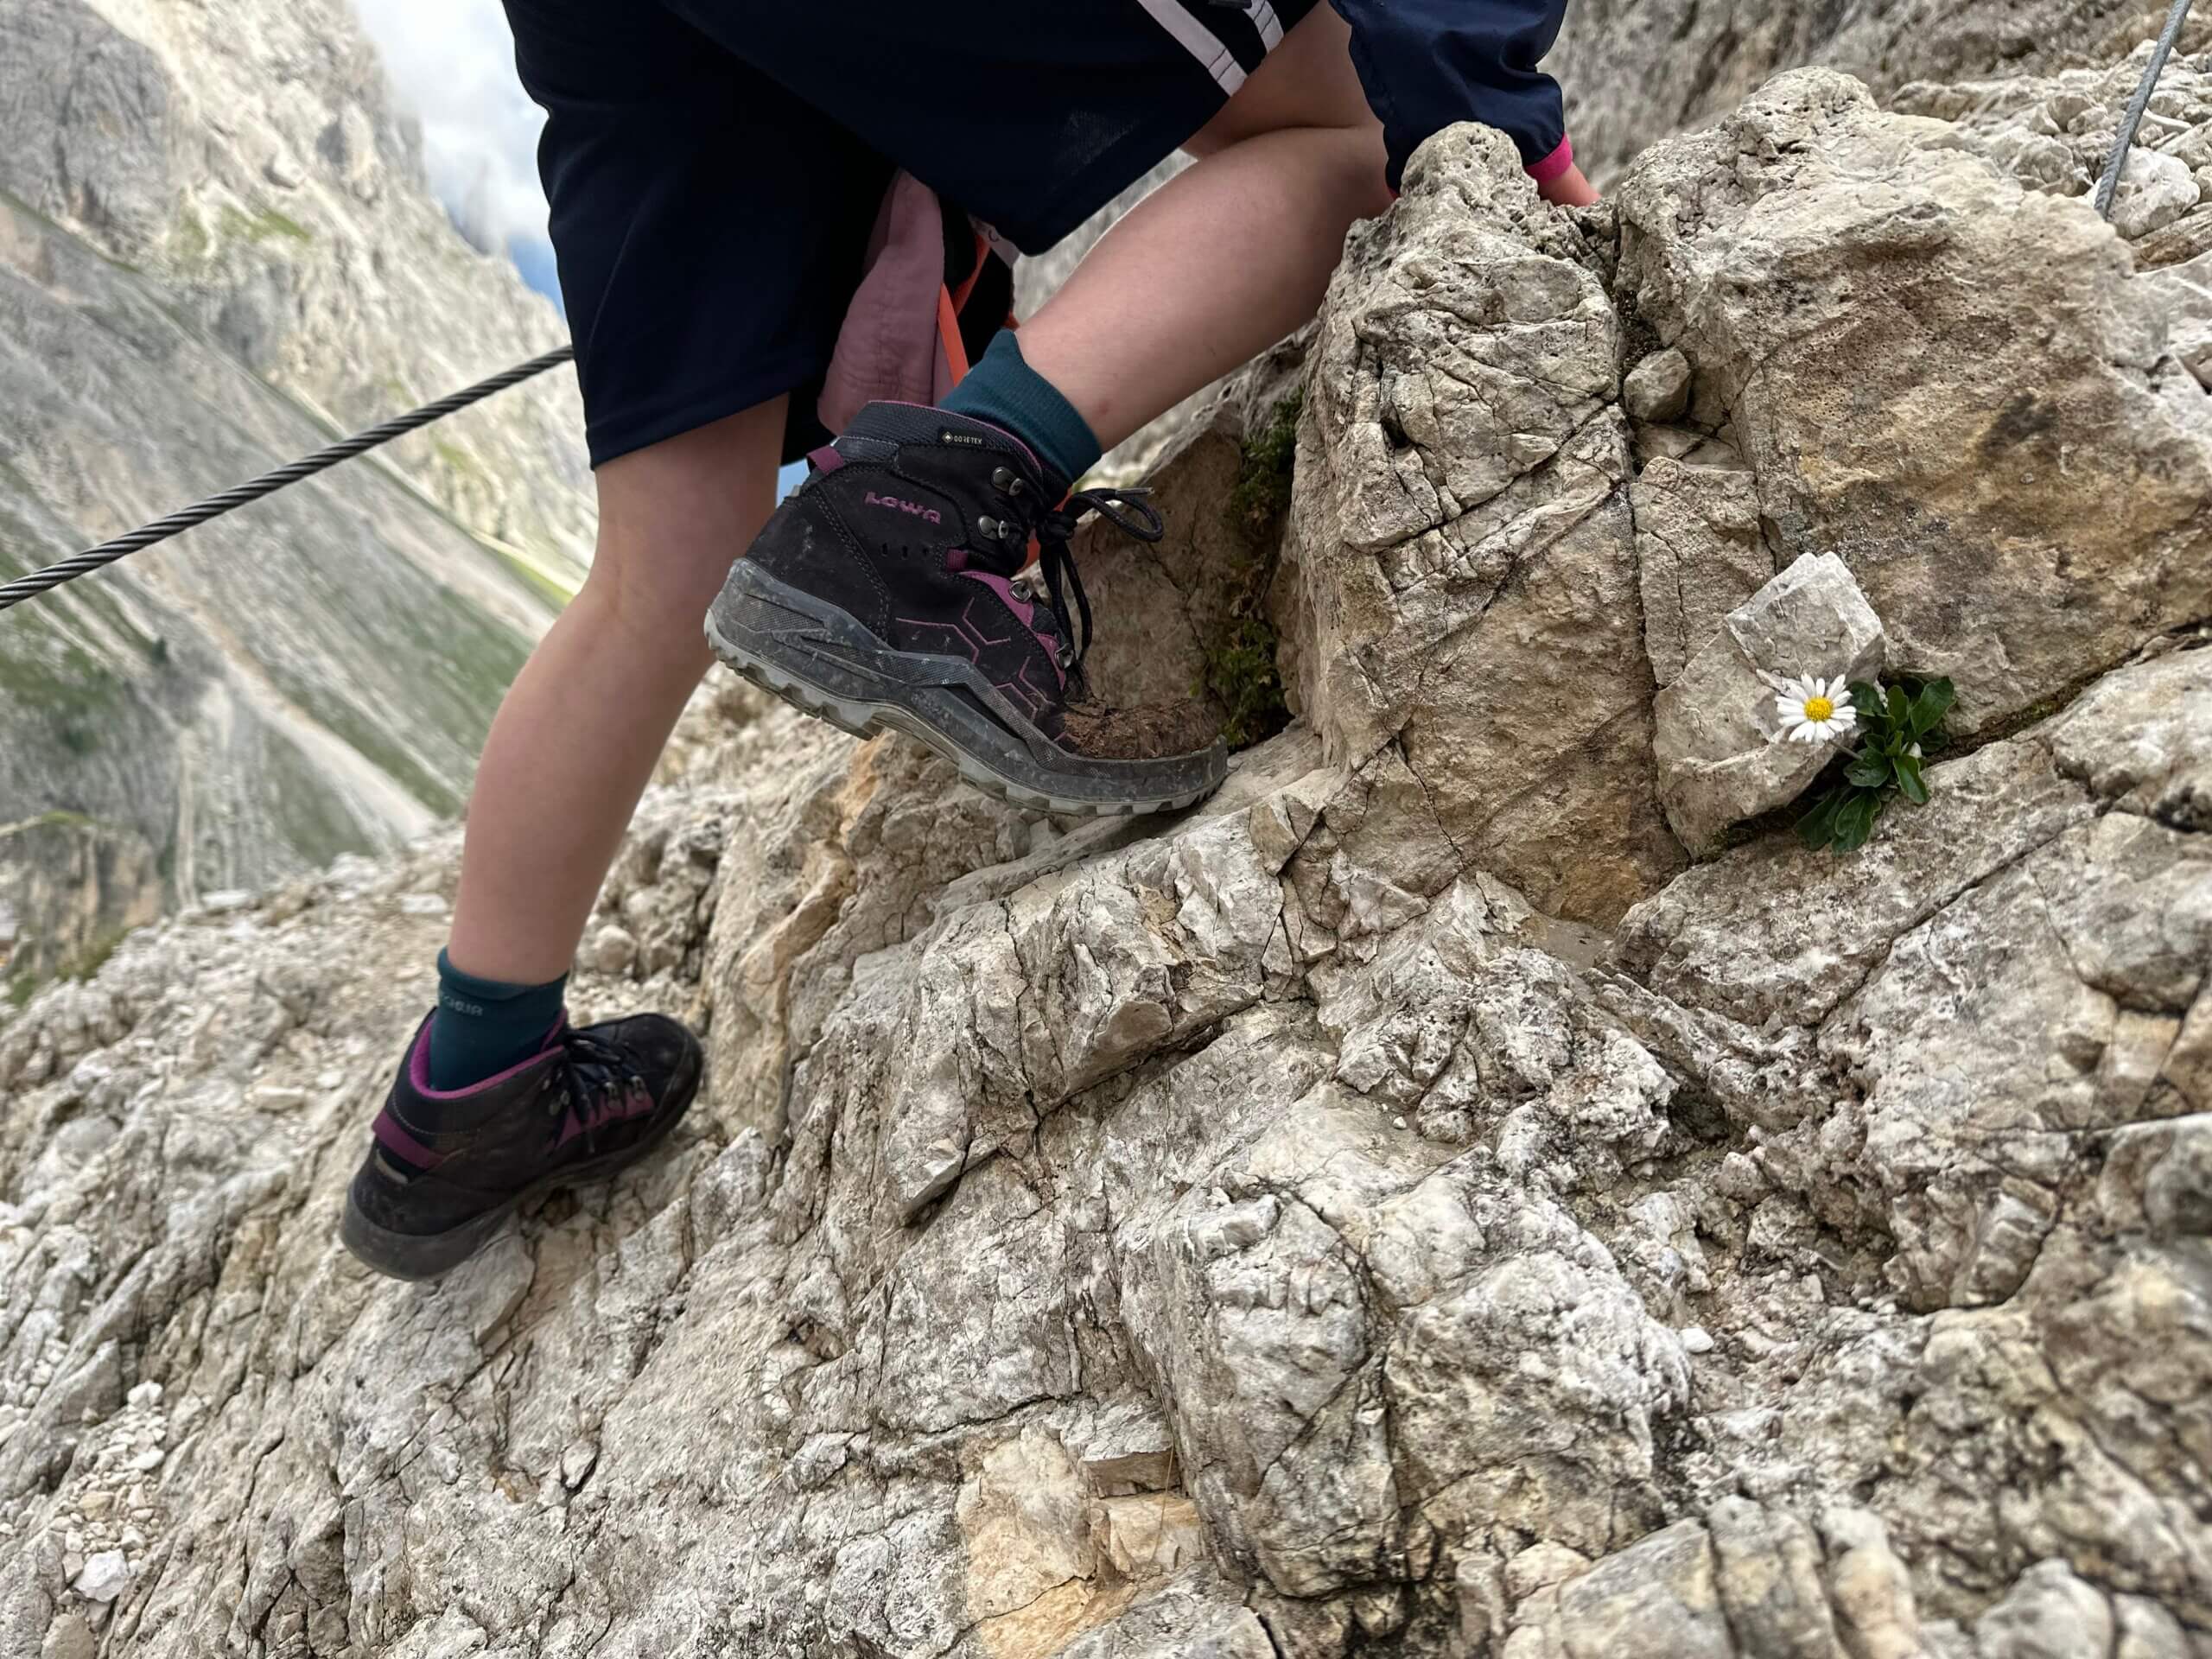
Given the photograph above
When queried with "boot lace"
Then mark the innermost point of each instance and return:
(597, 1080)
(1129, 510)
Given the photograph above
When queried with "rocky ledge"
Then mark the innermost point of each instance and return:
(1413, 1203)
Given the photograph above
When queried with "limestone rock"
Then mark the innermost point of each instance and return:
(612, 950)
(2054, 133)
(1635, 70)
(1459, 578)
(2184, 295)
(1288, 1227)
(1699, 551)
(1723, 753)
(1658, 388)
(1832, 319)
(69, 1637)
(104, 1576)
(2154, 191)
(291, 212)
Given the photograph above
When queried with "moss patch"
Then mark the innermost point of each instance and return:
(262, 226)
(313, 822)
(71, 694)
(1261, 496)
(191, 242)
(341, 718)
(94, 956)
(1240, 675)
(1240, 657)
(457, 458)
(81, 967)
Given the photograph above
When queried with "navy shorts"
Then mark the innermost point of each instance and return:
(714, 166)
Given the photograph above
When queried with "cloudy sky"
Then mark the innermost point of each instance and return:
(452, 62)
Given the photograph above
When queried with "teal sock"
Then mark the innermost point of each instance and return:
(1005, 390)
(484, 1025)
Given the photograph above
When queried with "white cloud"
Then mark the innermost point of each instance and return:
(452, 62)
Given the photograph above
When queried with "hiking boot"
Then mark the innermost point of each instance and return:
(425, 1199)
(890, 592)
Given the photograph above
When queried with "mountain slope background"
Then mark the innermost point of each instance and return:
(218, 251)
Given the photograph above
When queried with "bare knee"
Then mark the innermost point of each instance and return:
(674, 516)
(1360, 161)
(652, 611)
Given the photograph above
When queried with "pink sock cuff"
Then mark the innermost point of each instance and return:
(1552, 166)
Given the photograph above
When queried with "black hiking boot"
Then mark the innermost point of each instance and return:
(426, 1199)
(890, 592)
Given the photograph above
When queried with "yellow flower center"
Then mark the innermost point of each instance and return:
(1818, 708)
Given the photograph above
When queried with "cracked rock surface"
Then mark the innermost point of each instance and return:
(1400, 1206)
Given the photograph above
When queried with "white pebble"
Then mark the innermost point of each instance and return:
(104, 1576)
(146, 1394)
(1697, 1340)
(150, 1458)
(612, 951)
(576, 1463)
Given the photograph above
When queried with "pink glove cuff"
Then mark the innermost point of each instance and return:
(1552, 165)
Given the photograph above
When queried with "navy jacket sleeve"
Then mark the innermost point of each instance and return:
(1426, 64)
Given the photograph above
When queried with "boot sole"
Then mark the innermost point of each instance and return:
(825, 662)
(417, 1256)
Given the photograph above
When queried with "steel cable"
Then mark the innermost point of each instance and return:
(52, 575)
(2126, 140)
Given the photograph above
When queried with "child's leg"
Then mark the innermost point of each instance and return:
(1229, 255)
(1222, 262)
(489, 1109)
(577, 737)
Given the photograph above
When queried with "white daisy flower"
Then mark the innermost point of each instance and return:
(1814, 710)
